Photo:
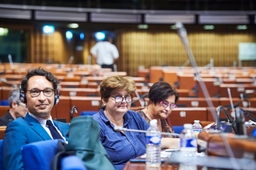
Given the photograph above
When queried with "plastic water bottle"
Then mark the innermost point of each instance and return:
(153, 151)
(188, 148)
(197, 128)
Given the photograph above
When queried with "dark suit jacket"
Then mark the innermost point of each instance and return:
(5, 119)
(23, 131)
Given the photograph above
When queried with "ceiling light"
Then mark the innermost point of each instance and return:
(69, 35)
(73, 25)
(241, 27)
(48, 29)
(143, 26)
(3, 31)
(173, 27)
(209, 27)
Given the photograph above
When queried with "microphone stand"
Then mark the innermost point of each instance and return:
(118, 128)
(183, 36)
(139, 98)
(247, 113)
(240, 122)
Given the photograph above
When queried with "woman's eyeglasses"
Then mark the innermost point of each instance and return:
(167, 104)
(120, 98)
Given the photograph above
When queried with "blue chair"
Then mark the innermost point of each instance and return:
(178, 129)
(38, 155)
(4, 103)
(88, 113)
(72, 163)
(1, 155)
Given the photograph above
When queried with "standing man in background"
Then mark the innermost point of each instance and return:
(105, 53)
(17, 108)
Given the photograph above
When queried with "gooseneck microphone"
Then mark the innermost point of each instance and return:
(247, 113)
(183, 36)
(119, 129)
(240, 122)
(73, 109)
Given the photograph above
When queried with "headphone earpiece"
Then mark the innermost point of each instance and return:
(56, 99)
(22, 96)
(57, 96)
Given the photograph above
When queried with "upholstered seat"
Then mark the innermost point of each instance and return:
(39, 155)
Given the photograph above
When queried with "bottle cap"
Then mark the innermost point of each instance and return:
(187, 125)
(196, 121)
(153, 122)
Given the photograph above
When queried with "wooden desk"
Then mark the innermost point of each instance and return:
(3, 110)
(180, 116)
(216, 146)
(236, 89)
(2, 131)
(197, 102)
(79, 92)
(142, 166)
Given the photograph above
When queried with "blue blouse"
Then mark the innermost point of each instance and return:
(121, 147)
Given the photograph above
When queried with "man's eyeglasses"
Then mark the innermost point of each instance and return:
(166, 104)
(48, 92)
(22, 104)
(120, 98)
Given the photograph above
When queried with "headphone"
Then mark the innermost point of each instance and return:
(24, 100)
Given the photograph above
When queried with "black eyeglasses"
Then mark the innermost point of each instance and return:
(166, 104)
(22, 104)
(120, 98)
(48, 92)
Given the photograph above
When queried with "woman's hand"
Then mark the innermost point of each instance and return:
(170, 143)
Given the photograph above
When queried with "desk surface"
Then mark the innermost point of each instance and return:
(142, 166)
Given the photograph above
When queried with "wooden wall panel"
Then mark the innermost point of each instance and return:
(49, 48)
(157, 48)
(150, 48)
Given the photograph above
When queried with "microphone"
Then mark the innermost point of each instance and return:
(185, 63)
(247, 113)
(119, 129)
(240, 122)
(181, 30)
(230, 99)
(10, 61)
(71, 58)
(139, 99)
(73, 109)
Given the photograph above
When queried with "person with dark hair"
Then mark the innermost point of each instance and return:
(116, 96)
(38, 90)
(105, 53)
(162, 98)
(17, 108)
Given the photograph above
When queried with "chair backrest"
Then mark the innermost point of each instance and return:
(1, 155)
(178, 129)
(88, 113)
(4, 103)
(38, 155)
(72, 163)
